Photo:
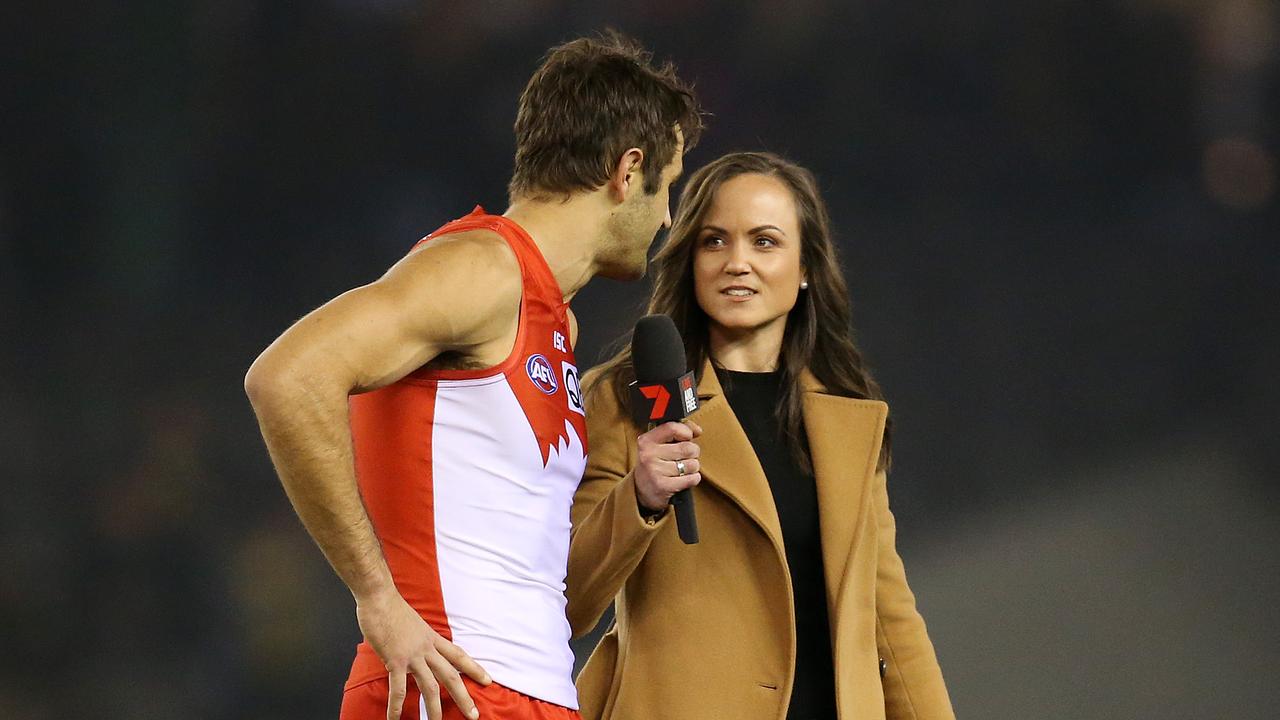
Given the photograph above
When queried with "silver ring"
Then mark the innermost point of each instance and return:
(680, 467)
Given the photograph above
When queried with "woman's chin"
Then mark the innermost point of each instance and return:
(736, 323)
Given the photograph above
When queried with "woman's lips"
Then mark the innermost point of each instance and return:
(739, 293)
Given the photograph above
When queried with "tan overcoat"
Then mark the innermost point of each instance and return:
(707, 631)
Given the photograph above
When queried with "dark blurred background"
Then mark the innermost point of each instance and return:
(1059, 221)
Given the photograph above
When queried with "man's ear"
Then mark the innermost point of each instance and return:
(627, 172)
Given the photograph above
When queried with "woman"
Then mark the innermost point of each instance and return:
(794, 604)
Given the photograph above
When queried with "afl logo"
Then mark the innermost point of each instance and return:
(542, 374)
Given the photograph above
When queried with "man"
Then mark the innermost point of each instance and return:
(445, 396)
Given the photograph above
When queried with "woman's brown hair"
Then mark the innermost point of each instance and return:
(819, 332)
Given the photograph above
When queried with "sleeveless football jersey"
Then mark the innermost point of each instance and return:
(468, 477)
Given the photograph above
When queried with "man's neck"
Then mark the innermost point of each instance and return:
(566, 232)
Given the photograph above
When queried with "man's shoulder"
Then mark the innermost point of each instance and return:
(478, 248)
(466, 286)
(473, 265)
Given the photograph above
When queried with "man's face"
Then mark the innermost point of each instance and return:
(642, 215)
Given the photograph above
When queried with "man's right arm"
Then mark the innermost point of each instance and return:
(362, 340)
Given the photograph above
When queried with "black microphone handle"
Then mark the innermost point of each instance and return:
(686, 518)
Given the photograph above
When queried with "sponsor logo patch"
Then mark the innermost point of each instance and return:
(542, 374)
(572, 389)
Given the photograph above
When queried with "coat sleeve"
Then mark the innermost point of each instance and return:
(913, 686)
(609, 536)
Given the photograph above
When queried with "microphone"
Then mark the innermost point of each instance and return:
(664, 391)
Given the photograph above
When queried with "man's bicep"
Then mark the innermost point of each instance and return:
(357, 341)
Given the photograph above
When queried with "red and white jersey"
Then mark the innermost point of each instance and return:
(468, 477)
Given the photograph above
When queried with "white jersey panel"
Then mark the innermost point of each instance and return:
(502, 536)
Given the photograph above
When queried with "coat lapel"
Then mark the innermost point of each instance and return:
(728, 461)
(844, 442)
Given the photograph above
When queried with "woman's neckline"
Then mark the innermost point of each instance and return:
(749, 376)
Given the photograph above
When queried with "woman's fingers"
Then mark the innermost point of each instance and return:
(681, 468)
(668, 432)
(677, 451)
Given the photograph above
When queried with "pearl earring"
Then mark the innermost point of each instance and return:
(804, 284)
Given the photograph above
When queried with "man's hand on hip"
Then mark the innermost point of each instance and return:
(407, 644)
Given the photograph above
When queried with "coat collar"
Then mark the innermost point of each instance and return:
(844, 443)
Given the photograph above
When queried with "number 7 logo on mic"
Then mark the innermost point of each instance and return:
(660, 397)
(652, 403)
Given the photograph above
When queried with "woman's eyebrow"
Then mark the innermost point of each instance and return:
(752, 231)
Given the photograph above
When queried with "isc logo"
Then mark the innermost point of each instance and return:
(542, 374)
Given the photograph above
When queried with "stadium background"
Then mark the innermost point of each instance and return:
(1059, 221)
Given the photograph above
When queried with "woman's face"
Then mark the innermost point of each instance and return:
(746, 259)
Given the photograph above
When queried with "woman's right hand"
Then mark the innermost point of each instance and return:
(660, 451)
